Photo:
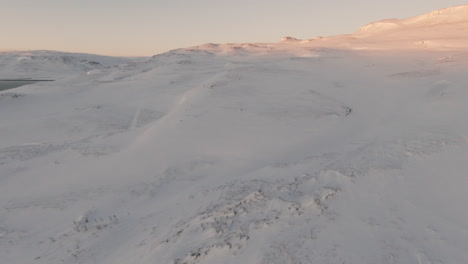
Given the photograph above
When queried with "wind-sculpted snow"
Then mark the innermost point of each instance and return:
(248, 209)
(330, 150)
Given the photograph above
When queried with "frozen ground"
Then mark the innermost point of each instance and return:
(346, 149)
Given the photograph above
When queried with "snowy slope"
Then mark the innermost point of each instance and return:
(453, 15)
(342, 149)
(441, 29)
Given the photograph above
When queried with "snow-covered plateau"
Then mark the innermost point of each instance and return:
(350, 149)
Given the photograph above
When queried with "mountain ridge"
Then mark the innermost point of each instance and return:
(457, 14)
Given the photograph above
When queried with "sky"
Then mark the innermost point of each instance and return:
(149, 27)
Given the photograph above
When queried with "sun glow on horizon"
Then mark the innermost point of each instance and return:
(146, 28)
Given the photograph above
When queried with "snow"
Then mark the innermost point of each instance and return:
(344, 149)
(458, 14)
(453, 15)
(52, 64)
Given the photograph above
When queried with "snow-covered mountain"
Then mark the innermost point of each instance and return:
(344, 149)
(52, 64)
(441, 29)
(454, 15)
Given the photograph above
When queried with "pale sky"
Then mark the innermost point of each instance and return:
(144, 27)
